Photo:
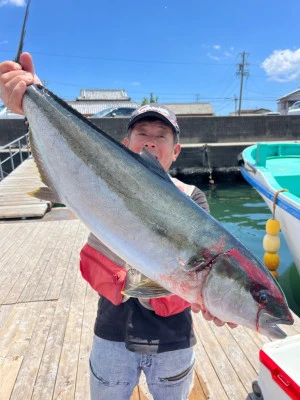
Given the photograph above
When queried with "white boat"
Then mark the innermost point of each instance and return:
(270, 167)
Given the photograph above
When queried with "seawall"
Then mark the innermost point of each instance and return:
(210, 145)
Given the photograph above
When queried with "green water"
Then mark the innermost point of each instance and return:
(243, 213)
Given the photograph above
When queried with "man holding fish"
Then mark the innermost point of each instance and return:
(153, 335)
(160, 328)
(164, 236)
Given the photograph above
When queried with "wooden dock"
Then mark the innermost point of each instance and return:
(14, 199)
(47, 313)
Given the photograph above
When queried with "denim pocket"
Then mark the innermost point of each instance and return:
(106, 382)
(180, 376)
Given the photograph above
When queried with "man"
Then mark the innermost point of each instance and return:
(133, 334)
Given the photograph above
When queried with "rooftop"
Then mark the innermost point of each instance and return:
(191, 108)
(103, 94)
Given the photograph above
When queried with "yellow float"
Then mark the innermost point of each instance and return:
(271, 241)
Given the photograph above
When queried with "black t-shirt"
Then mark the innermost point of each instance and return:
(141, 329)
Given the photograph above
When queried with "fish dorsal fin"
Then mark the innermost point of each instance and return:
(152, 163)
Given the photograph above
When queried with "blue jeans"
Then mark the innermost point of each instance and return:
(115, 371)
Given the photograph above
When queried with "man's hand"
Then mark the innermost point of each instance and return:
(14, 78)
(207, 315)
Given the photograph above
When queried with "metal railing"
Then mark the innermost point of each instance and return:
(14, 148)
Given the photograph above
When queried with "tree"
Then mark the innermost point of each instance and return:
(150, 100)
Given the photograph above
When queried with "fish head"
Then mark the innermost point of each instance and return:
(239, 289)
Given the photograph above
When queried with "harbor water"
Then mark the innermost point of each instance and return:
(243, 213)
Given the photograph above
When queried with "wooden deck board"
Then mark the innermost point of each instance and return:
(220, 362)
(89, 314)
(14, 199)
(28, 372)
(14, 343)
(12, 239)
(18, 263)
(47, 319)
(50, 364)
(26, 286)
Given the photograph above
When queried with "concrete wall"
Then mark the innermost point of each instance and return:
(11, 129)
(194, 129)
(210, 145)
(221, 129)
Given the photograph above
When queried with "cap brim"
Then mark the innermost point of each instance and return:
(151, 114)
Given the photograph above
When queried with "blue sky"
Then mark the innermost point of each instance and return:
(182, 51)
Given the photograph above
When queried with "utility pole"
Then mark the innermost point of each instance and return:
(197, 98)
(242, 72)
(235, 104)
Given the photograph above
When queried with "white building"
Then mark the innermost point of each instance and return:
(287, 101)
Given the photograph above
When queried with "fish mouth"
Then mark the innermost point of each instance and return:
(267, 324)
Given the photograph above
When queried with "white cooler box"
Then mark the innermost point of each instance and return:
(279, 371)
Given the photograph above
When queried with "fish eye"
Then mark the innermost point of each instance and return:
(263, 297)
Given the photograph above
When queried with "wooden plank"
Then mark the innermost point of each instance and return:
(8, 374)
(14, 199)
(65, 384)
(199, 391)
(49, 367)
(17, 327)
(53, 264)
(28, 372)
(221, 364)
(136, 394)
(142, 388)
(244, 370)
(19, 270)
(49, 359)
(17, 267)
(20, 200)
(14, 343)
(204, 364)
(23, 211)
(247, 345)
(13, 239)
(26, 287)
(63, 257)
(7, 237)
(90, 312)
(5, 311)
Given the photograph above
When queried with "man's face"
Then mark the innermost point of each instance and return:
(157, 137)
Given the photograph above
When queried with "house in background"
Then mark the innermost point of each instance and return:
(287, 101)
(92, 101)
(245, 113)
(191, 109)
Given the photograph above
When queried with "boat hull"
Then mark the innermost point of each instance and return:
(264, 178)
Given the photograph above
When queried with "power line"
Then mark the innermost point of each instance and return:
(127, 60)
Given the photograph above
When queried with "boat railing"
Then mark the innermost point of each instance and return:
(14, 153)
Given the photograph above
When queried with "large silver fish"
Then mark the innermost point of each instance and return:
(129, 202)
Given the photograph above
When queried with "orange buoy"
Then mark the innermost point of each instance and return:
(271, 241)
(273, 227)
(271, 261)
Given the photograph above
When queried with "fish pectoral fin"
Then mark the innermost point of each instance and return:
(45, 193)
(147, 289)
